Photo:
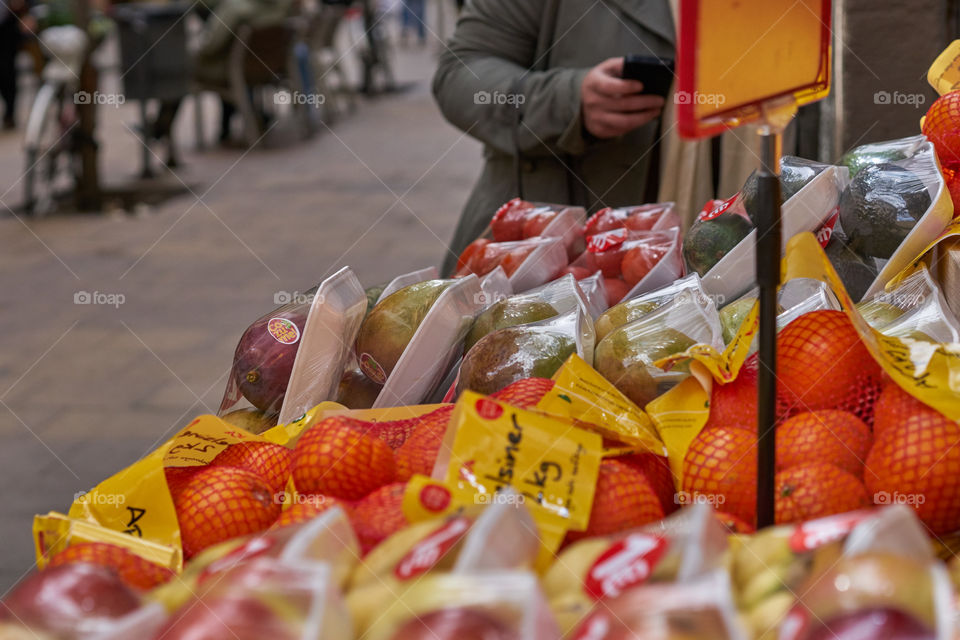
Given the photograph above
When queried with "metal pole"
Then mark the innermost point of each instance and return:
(768, 279)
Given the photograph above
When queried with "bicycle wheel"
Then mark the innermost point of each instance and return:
(47, 143)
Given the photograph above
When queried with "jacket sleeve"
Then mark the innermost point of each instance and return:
(484, 85)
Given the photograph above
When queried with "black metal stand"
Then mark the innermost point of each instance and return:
(768, 280)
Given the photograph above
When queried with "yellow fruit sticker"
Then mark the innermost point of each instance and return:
(581, 394)
(679, 416)
(944, 73)
(930, 373)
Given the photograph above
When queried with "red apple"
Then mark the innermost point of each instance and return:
(57, 598)
(226, 618)
(455, 624)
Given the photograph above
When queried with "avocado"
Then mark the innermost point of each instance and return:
(626, 359)
(507, 355)
(708, 241)
(390, 326)
(870, 154)
(733, 315)
(856, 272)
(357, 391)
(795, 174)
(509, 312)
(880, 207)
(623, 313)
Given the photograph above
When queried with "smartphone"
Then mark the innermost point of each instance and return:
(655, 73)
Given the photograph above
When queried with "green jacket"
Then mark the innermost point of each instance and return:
(537, 52)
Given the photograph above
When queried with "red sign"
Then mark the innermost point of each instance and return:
(624, 564)
(428, 552)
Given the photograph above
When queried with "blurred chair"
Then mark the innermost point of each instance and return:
(259, 57)
(325, 59)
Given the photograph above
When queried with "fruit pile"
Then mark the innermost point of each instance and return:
(560, 467)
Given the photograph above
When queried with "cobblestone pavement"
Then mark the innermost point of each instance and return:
(88, 389)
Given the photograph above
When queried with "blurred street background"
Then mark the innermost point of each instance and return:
(87, 389)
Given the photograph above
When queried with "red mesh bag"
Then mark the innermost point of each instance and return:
(942, 127)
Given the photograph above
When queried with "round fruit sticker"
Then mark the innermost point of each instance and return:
(372, 368)
(435, 497)
(283, 331)
(488, 409)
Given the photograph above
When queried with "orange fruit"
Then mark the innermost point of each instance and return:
(815, 491)
(524, 393)
(720, 468)
(268, 460)
(733, 524)
(837, 437)
(917, 462)
(178, 477)
(393, 432)
(379, 515)
(419, 453)
(942, 127)
(895, 406)
(220, 503)
(822, 364)
(624, 499)
(735, 404)
(657, 471)
(336, 458)
(306, 508)
(136, 571)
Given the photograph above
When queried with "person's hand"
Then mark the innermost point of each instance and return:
(613, 106)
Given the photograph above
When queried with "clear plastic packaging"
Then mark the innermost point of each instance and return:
(531, 350)
(434, 347)
(332, 325)
(407, 279)
(807, 210)
(795, 174)
(520, 220)
(636, 307)
(915, 309)
(595, 291)
(264, 598)
(633, 262)
(880, 152)
(527, 263)
(701, 609)
(492, 606)
(645, 217)
(625, 356)
(685, 545)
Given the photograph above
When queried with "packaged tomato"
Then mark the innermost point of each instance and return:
(519, 220)
(645, 217)
(502, 605)
(633, 262)
(527, 263)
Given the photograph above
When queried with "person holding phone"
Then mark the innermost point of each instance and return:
(540, 83)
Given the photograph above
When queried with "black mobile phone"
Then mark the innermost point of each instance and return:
(655, 73)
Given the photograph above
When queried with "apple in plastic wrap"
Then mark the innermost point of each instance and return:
(455, 624)
(58, 598)
(264, 359)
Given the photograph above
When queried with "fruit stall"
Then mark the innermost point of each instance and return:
(562, 439)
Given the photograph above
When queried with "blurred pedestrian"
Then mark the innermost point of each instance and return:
(413, 17)
(11, 37)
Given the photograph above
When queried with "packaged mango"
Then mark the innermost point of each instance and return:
(499, 536)
(264, 360)
(683, 546)
(503, 605)
(635, 307)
